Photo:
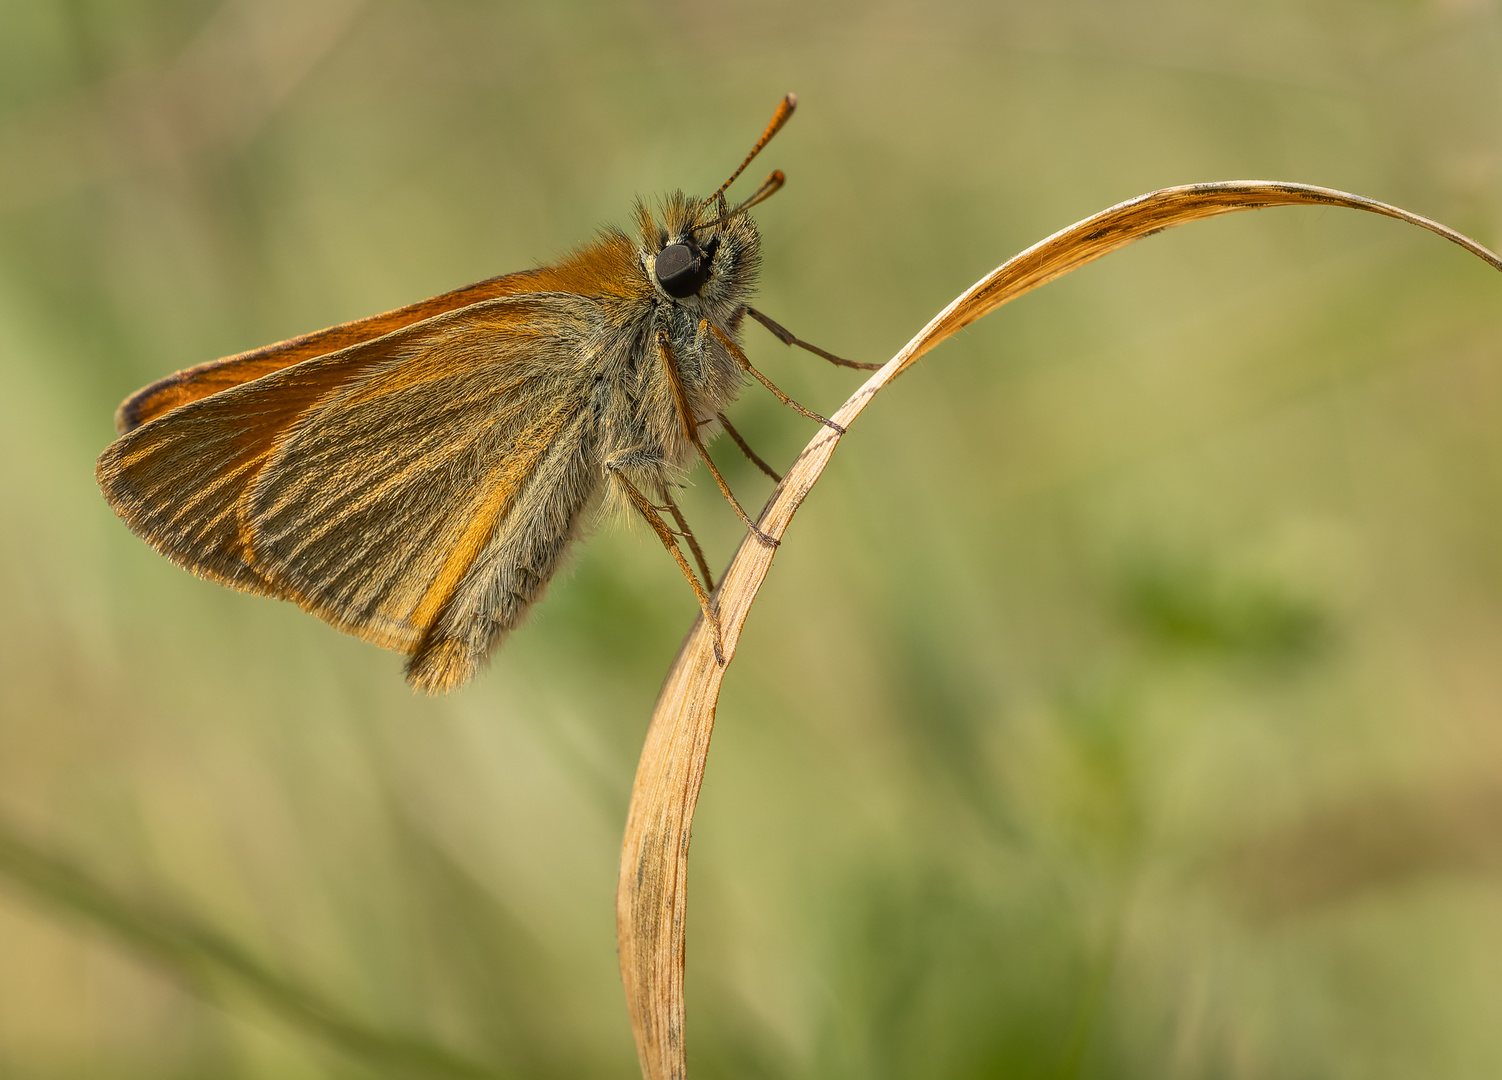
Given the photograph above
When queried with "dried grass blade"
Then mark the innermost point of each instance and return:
(652, 894)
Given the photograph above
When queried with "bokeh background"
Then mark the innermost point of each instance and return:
(1125, 702)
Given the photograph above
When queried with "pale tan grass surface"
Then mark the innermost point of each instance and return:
(652, 896)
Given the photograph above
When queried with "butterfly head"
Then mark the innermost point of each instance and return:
(692, 256)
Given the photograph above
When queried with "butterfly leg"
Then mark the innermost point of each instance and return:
(740, 358)
(751, 455)
(787, 337)
(691, 429)
(693, 543)
(669, 541)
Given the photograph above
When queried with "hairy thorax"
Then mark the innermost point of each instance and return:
(638, 428)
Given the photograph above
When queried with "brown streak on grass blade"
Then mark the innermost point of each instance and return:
(652, 894)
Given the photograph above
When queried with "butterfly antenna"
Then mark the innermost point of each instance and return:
(769, 187)
(785, 109)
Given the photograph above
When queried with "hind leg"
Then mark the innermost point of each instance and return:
(615, 467)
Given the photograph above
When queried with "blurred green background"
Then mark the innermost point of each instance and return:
(1125, 702)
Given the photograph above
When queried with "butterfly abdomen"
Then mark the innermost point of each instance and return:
(508, 573)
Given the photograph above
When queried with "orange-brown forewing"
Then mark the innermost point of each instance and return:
(201, 381)
(584, 272)
(361, 484)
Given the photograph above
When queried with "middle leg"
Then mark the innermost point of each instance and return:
(669, 540)
(705, 326)
(691, 429)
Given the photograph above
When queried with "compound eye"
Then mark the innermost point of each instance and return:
(680, 270)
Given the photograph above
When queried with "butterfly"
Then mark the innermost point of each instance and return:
(415, 478)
